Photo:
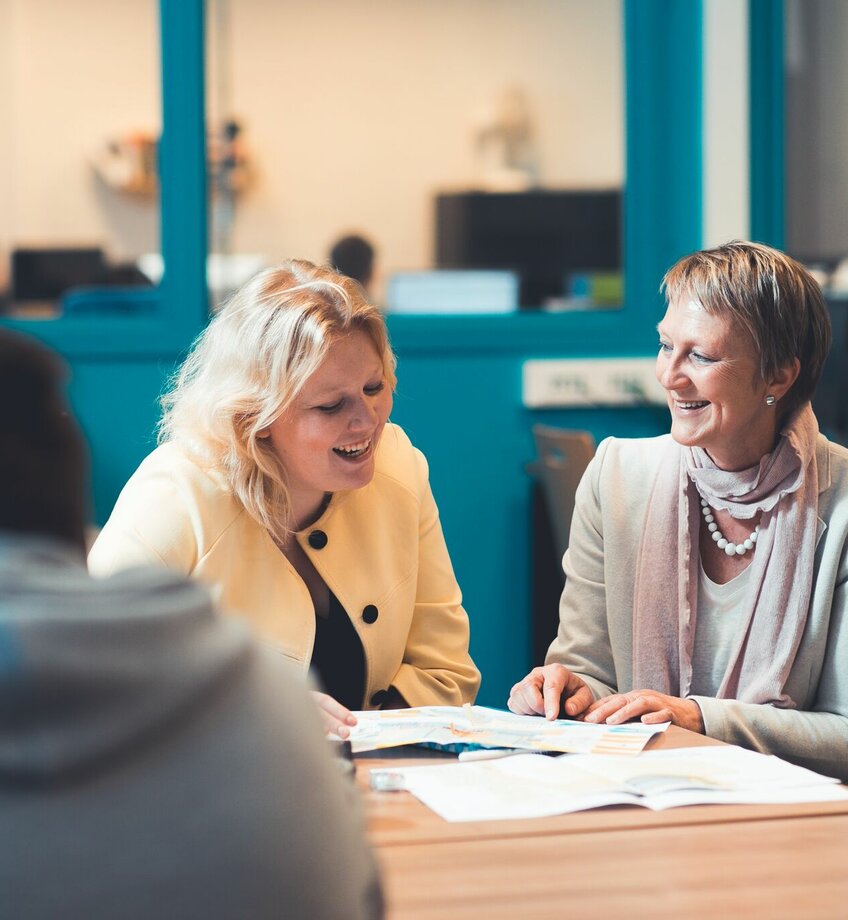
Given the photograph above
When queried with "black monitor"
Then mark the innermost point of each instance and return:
(544, 236)
(45, 274)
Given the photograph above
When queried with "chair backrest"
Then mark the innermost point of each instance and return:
(563, 457)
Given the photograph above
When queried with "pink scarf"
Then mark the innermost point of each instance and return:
(784, 486)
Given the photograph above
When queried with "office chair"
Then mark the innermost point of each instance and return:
(563, 456)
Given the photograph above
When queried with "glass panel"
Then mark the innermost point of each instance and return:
(816, 140)
(80, 121)
(452, 134)
(817, 135)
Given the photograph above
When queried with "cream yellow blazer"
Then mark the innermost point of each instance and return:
(380, 549)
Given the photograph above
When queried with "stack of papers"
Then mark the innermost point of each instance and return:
(530, 786)
(457, 728)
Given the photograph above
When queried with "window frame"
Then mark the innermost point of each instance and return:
(662, 208)
(162, 320)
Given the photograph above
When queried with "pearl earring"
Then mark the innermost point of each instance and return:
(770, 400)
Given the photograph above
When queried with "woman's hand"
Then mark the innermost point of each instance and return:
(649, 706)
(336, 717)
(543, 690)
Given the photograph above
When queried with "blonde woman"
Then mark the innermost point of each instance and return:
(280, 482)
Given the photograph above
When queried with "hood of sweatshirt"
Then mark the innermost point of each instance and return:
(90, 667)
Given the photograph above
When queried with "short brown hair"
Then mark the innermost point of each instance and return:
(769, 295)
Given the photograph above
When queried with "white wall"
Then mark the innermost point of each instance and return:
(7, 179)
(356, 112)
(725, 123)
(79, 73)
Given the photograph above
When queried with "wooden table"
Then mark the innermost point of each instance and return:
(725, 861)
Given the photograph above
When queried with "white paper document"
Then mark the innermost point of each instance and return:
(533, 786)
(462, 727)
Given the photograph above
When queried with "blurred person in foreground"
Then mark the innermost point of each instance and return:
(706, 571)
(154, 761)
(280, 482)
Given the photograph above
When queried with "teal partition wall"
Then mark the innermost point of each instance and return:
(459, 391)
(462, 405)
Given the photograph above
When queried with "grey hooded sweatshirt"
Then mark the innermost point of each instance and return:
(156, 762)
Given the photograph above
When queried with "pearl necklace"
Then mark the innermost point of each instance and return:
(738, 549)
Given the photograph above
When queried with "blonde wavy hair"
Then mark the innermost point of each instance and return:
(250, 363)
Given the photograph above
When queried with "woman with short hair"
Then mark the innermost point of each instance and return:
(706, 571)
(280, 482)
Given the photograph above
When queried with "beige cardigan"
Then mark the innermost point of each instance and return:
(595, 632)
(384, 550)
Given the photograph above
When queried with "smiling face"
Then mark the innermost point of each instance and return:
(716, 396)
(326, 439)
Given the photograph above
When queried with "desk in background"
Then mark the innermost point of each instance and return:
(752, 861)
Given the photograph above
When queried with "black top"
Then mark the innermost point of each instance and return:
(338, 658)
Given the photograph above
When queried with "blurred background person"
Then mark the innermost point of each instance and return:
(154, 760)
(354, 256)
